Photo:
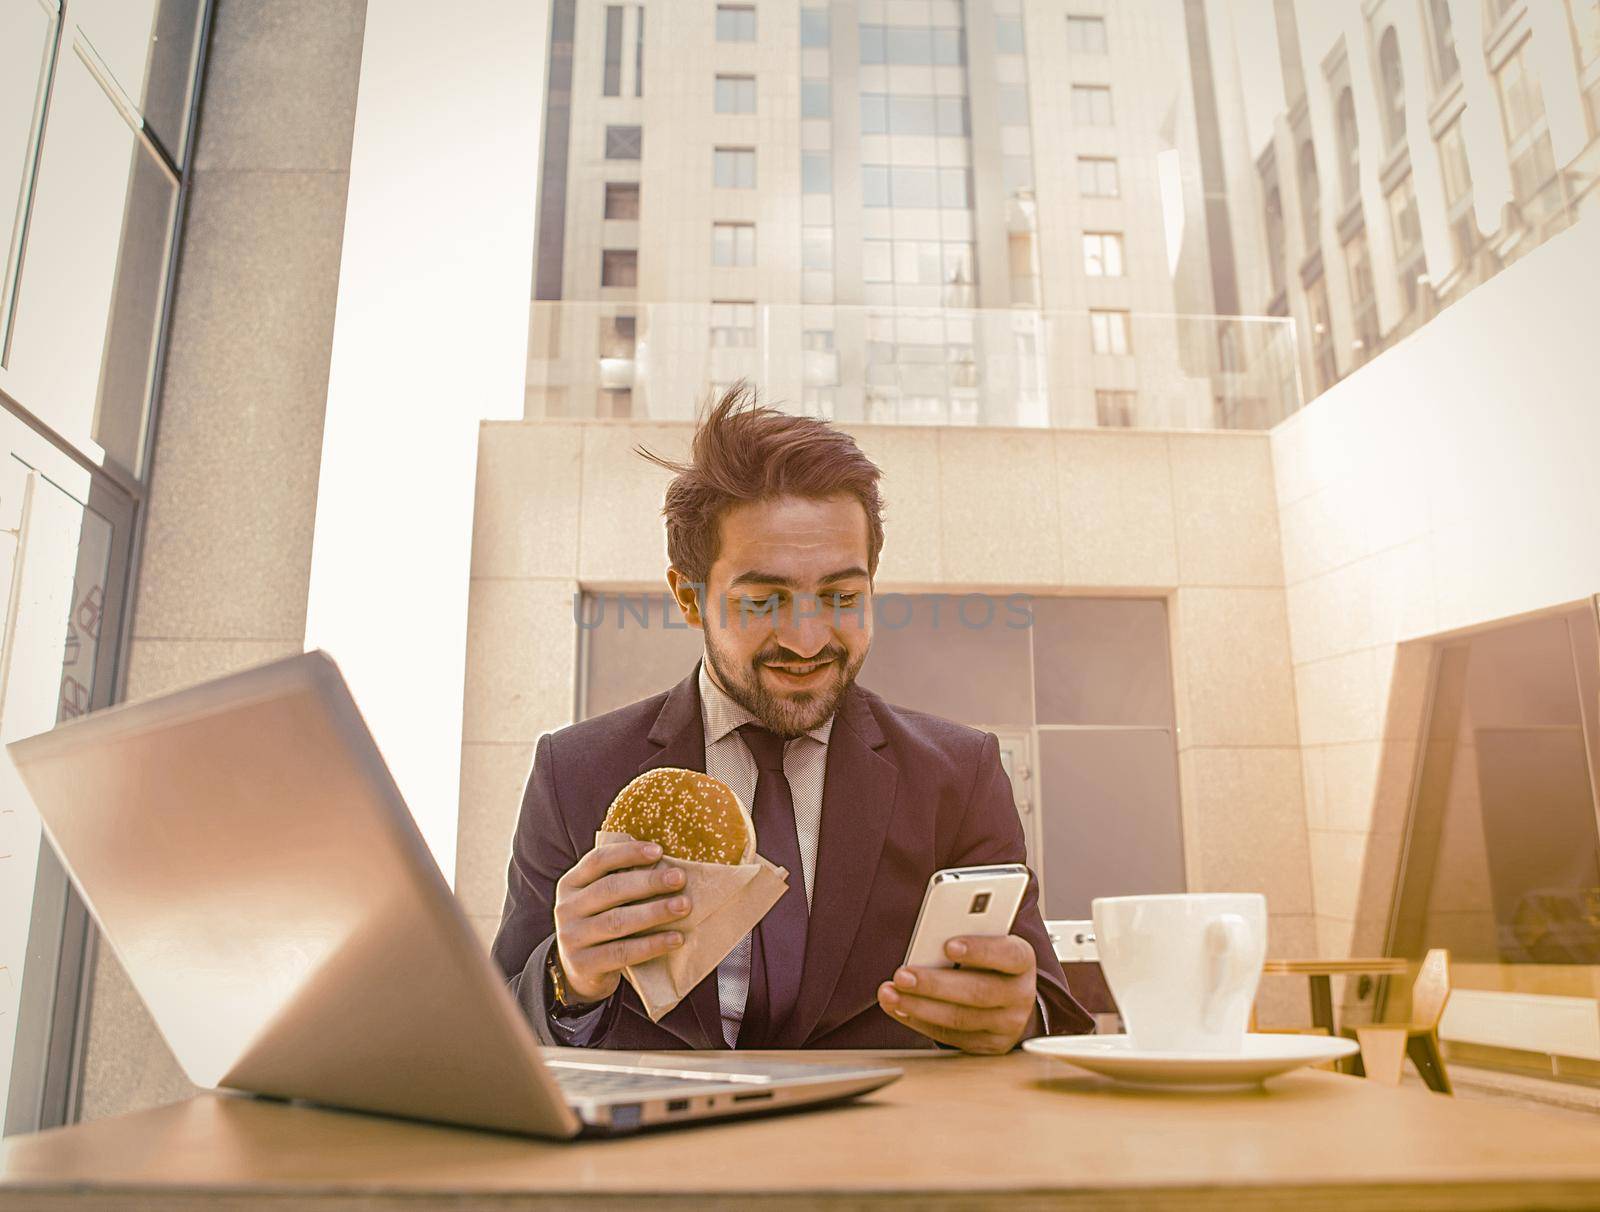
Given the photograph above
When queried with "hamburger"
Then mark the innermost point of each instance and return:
(690, 815)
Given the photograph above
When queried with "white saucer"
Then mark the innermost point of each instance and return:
(1261, 1057)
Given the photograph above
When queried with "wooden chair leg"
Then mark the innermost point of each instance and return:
(1423, 1048)
(1350, 1065)
(1383, 1052)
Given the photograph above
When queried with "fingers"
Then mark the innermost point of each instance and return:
(984, 990)
(950, 1015)
(1004, 954)
(985, 1006)
(625, 920)
(620, 953)
(991, 1035)
(619, 888)
(612, 909)
(606, 858)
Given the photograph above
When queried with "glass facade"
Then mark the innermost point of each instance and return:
(96, 100)
(1512, 737)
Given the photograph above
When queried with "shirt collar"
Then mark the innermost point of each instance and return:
(720, 715)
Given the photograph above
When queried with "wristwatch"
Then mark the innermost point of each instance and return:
(561, 1002)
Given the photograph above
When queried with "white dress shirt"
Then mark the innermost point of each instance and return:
(805, 762)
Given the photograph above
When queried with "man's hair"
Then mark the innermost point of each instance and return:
(744, 451)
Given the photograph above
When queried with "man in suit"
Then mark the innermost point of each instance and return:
(773, 535)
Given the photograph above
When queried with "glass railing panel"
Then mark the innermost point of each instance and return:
(895, 365)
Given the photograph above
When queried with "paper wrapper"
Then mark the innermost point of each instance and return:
(727, 901)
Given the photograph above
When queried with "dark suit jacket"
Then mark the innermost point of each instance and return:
(904, 795)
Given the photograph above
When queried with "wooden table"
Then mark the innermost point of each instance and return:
(954, 1132)
(1321, 973)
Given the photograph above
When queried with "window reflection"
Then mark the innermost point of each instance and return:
(89, 298)
(1503, 864)
(149, 47)
(26, 38)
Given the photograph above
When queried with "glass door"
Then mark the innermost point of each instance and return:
(64, 538)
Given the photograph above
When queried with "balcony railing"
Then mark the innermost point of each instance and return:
(915, 366)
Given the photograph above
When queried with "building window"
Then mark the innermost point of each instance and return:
(816, 98)
(623, 142)
(1114, 409)
(1349, 145)
(1453, 162)
(1533, 166)
(733, 243)
(816, 248)
(1359, 263)
(817, 340)
(877, 261)
(816, 173)
(912, 46)
(1586, 17)
(734, 168)
(619, 267)
(1022, 263)
(1109, 332)
(638, 51)
(1310, 197)
(612, 77)
(1273, 206)
(1392, 84)
(1403, 218)
(1321, 334)
(618, 337)
(1008, 35)
(875, 185)
(622, 199)
(913, 115)
(736, 94)
(1097, 177)
(1444, 42)
(916, 188)
(814, 27)
(1519, 95)
(733, 324)
(1091, 105)
(1086, 35)
(736, 23)
(1102, 254)
(817, 402)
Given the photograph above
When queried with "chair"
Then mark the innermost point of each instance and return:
(1073, 943)
(1384, 1046)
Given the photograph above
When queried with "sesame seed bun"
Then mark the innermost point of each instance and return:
(689, 815)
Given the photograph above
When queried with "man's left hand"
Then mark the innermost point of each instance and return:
(987, 1005)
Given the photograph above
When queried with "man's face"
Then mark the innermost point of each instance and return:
(787, 612)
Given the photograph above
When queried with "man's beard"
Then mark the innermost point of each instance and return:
(785, 715)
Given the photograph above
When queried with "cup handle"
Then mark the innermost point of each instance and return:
(1227, 949)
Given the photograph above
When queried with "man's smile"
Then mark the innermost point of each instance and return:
(799, 673)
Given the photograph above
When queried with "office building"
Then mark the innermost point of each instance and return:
(913, 211)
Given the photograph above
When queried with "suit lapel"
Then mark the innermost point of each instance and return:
(680, 734)
(858, 793)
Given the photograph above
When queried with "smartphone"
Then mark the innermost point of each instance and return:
(965, 900)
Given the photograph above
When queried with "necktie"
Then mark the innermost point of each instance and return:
(778, 948)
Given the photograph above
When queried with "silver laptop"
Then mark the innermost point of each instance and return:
(251, 863)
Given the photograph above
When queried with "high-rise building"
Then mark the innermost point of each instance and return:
(965, 211)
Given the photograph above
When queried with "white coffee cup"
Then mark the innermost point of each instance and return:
(1183, 967)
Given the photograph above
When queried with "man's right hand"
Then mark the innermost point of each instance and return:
(604, 904)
